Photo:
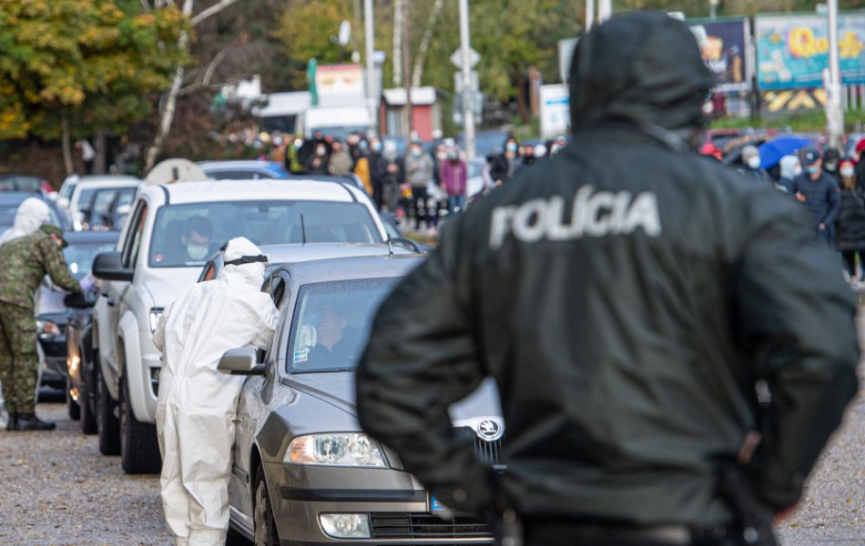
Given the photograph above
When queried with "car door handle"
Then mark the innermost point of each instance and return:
(104, 294)
(110, 303)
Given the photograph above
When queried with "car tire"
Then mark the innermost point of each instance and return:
(139, 446)
(109, 424)
(72, 407)
(266, 533)
(86, 391)
(234, 538)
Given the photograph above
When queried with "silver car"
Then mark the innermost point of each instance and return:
(304, 472)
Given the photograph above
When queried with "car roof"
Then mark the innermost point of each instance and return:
(241, 164)
(254, 190)
(95, 237)
(107, 181)
(343, 269)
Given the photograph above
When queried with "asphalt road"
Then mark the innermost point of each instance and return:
(57, 490)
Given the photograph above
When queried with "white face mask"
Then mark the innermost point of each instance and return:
(197, 252)
(754, 162)
(847, 171)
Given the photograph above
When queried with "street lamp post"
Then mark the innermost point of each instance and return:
(605, 10)
(371, 97)
(468, 92)
(834, 110)
(590, 14)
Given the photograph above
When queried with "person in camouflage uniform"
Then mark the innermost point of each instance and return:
(26, 261)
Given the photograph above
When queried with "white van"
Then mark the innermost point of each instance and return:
(336, 121)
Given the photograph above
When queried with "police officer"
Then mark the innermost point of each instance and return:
(627, 297)
(26, 261)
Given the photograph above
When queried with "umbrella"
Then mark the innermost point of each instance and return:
(772, 151)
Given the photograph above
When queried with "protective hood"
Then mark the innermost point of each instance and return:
(31, 214)
(253, 273)
(788, 166)
(642, 68)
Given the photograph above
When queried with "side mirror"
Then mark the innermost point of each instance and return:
(407, 244)
(108, 267)
(241, 361)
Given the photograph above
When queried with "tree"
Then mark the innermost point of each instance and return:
(70, 66)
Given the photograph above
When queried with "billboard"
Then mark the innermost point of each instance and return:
(555, 106)
(339, 80)
(724, 46)
(793, 50)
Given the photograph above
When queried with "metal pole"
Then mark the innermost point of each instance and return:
(605, 10)
(371, 95)
(713, 9)
(468, 92)
(590, 14)
(835, 112)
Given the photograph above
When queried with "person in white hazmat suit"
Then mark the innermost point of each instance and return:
(31, 214)
(197, 405)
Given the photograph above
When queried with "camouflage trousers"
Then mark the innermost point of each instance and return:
(19, 361)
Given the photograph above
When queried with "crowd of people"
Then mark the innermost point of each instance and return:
(831, 186)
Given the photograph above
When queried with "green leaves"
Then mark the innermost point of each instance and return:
(83, 56)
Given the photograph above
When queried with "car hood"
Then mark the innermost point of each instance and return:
(164, 285)
(337, 389)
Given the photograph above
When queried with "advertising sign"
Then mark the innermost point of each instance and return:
(724, 47)
(555, 106)
(793, 50)
(339, 80)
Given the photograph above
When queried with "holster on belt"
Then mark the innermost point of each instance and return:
(754, 519)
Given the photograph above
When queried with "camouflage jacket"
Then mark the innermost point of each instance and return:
(25, 261)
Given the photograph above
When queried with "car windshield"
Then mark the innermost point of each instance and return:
(340, 132)
(8, 211)
(186, 235)
(84, 198)
(331, 323)
(21, 182)
(80, 256)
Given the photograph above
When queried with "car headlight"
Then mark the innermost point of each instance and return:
(335, 449)
(155, 315)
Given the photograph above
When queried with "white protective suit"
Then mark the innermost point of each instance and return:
(31, 214)
(196, 409)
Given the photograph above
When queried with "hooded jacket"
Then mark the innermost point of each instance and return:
(822, 198)
(624, 319)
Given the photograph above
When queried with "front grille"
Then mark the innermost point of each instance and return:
(488, 452)
(408, 525)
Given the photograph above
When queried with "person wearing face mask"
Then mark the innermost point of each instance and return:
(196, 405)
(860, 167)
(340, 161)
(194, 241)
(377, 171)
(419, 172)
(850, 227)
(454, 176)
(831, 158)
(790, 168)
(319, 162)
(819, 192)
(752, 165)
(26, 261)
(506, 165)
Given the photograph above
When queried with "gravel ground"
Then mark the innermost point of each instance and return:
(57, 490)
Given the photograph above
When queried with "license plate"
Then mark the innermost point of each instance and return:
(436, 507)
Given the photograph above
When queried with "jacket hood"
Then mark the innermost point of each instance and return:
(642, 68)
(788, 166)
(31, 214)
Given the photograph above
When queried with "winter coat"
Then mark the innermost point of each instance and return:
(625, 319)
(454, 176)
(821, 198)
(419, 170)
(504, 168)
(850, 226)
(26, 260)
(340, 163)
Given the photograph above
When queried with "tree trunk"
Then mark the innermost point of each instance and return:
(406, 66)
(67, 143)
(100, 165)
(397, 43)
(423, 49)
(521, 95)
(171, 100)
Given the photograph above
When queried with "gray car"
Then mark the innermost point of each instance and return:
(304, 472)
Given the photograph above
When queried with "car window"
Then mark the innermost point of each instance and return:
(133, 239)
(22, 183)
(8, 212)
(99, 207)
(80, 256)
(84, 197)
(234, 175)
(331, 323)
(262, 222)
(67, 190)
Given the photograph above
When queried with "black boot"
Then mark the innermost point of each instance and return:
(11, 420)
(29, 421)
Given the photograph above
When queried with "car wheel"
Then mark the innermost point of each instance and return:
(72, 407)
(139, 446)
(85, 397)
(265, 527)
(108, 424)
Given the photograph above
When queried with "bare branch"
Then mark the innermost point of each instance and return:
(211, 11)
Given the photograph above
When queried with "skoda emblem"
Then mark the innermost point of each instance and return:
(489, 430)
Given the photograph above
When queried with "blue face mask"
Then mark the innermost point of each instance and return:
(415, 152)
(812, 169)
(512, 147)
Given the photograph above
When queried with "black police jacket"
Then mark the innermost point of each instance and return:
(626, 297)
